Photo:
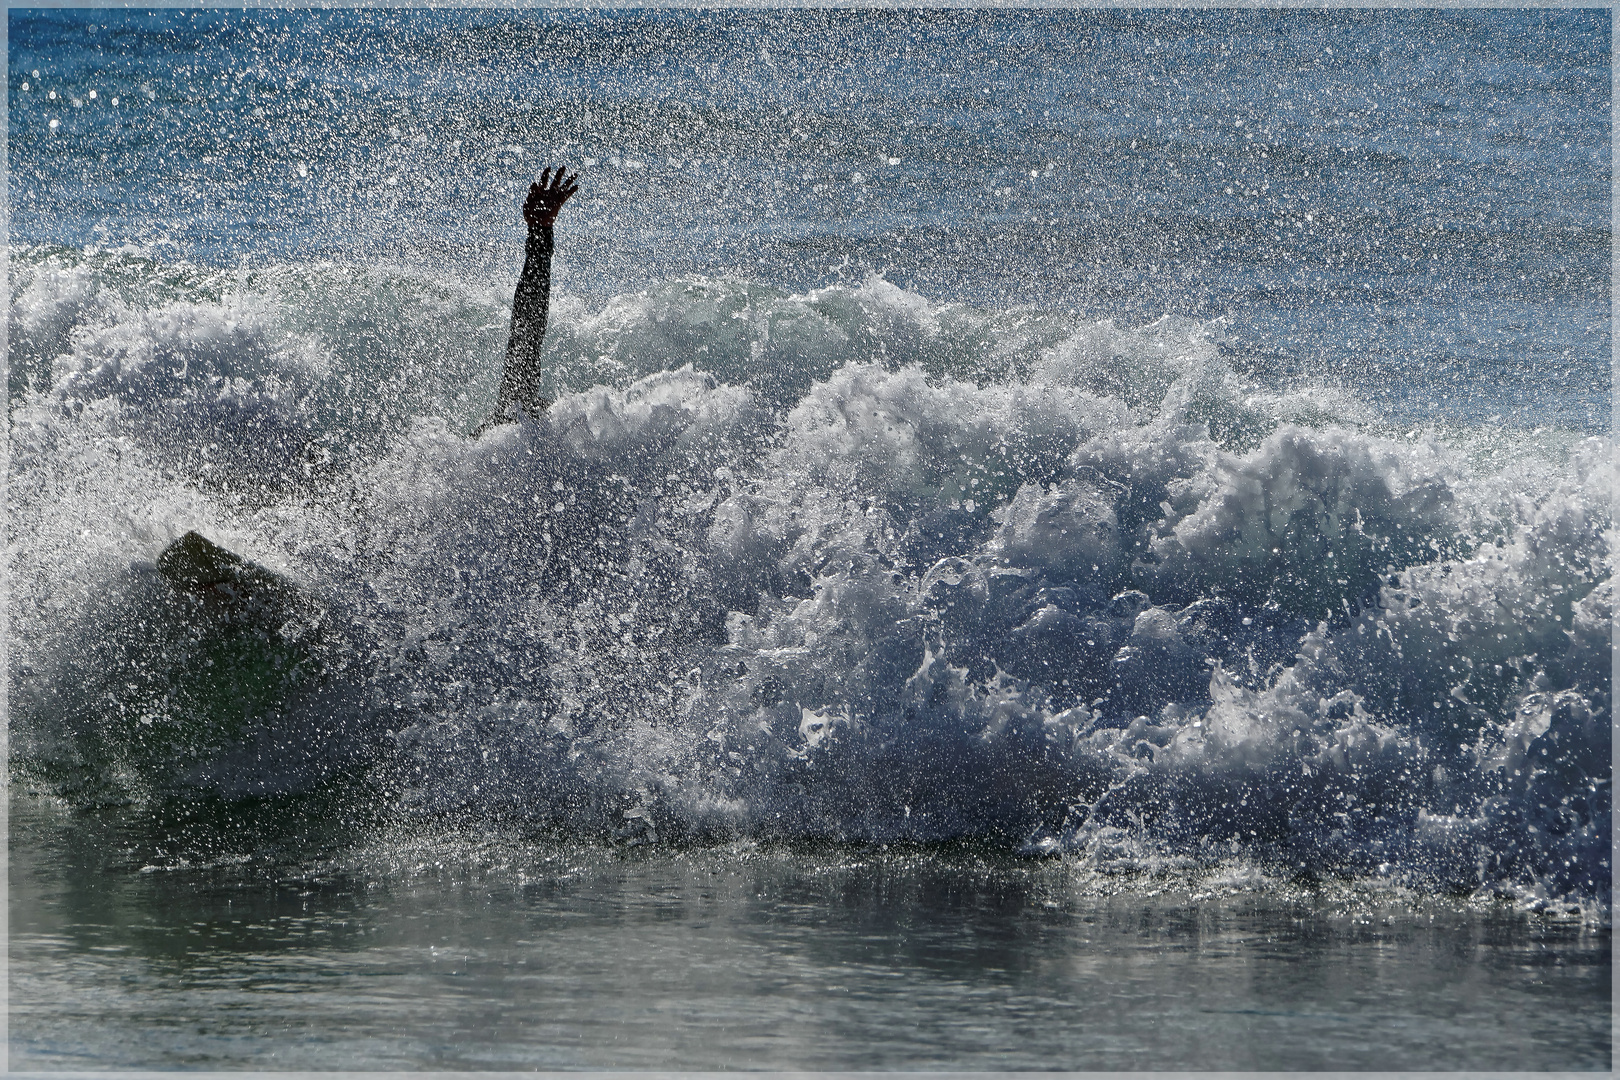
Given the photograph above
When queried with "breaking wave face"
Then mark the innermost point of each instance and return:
(846, 564)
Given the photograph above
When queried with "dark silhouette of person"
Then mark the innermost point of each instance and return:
(531, 305)
(227, 582)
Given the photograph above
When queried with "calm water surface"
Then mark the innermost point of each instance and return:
(469, 952)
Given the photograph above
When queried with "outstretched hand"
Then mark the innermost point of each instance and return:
(547, 195)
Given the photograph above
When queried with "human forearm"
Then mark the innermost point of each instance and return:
(531, 305)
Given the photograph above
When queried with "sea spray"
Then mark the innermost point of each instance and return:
(844, 564)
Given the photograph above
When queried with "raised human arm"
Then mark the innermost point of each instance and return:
(531, 305)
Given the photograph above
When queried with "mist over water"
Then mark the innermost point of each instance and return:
(1161, 440)
(1414, 201)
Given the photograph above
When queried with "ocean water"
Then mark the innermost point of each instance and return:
(473, 951)
(1060, 513)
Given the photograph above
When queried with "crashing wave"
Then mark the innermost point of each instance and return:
(845, 564)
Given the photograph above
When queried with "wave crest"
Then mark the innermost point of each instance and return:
(843, 564)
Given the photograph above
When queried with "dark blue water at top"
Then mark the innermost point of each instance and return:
(1416, 202)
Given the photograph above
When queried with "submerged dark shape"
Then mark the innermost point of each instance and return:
(251, 641)
(226, 684)
(195, 564)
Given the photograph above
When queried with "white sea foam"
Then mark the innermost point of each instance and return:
(844, 564)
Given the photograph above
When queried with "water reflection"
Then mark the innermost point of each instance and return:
(208, 940)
